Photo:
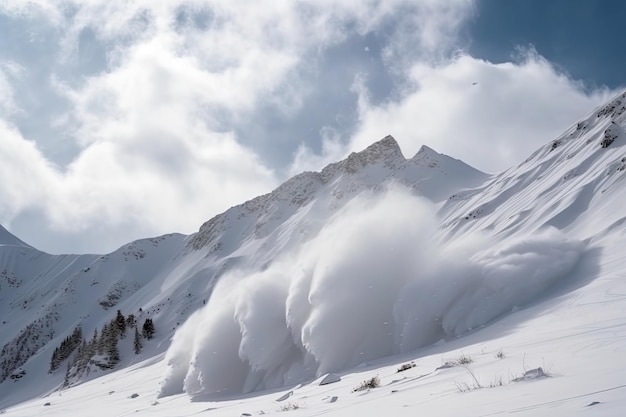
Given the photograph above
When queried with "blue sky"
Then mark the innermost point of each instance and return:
(581, 37)
(120, 120)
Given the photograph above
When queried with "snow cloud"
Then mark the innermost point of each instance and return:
(376, 280)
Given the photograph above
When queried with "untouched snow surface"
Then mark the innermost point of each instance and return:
(467, 283)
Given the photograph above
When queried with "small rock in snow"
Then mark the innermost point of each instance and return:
(532, 374)
(330, 379)
(285, 396)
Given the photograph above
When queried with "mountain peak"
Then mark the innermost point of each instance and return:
(427, 157)
(6, 238)
(386, 146)
(385, 151)
(425, 150)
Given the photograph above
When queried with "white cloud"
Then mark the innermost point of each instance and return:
(513, 109)
(28, 177)
(156, 149)
(47, 9)
(306, 159)
(8, 71)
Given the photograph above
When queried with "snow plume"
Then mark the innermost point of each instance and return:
(376, 280)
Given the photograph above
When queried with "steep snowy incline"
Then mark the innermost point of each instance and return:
(574, 183)
(6, 238)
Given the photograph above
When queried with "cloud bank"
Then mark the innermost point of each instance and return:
(140, 118)
(376, 280)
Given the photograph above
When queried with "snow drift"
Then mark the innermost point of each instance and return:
(378, 279)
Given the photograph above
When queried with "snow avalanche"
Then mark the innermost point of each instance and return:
(378, 279)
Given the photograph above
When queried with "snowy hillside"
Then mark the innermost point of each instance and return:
(450, 292)
(574, 183)
(7, 239)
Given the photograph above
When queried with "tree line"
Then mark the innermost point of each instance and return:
(101, 349)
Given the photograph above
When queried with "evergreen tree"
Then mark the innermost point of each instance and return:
(120, 323)
(131, 321)
(82, 356)
(54, 361)
(113, 353)
(137, 343)
(148, 329)
(102, 340)
(66, 348)
(108, 343)
(94, 344)
(91, 348)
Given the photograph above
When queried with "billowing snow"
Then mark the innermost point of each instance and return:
(376, 281)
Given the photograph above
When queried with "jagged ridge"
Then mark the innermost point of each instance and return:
(379, 162)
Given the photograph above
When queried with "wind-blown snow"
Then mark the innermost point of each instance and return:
(377, 280)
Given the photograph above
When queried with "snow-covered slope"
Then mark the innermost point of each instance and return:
(574, 183)
(373, 263)
(7, 239)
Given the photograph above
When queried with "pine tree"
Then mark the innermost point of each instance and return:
(77, 335)
(79, 363)
(54, 360)
(113, 353)
(120, 322)
(65, 349)
(102, 340)
(94, 343)
(108, 343)
(137, 343)
(148, 329)
(82, 356)
(131, 321)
